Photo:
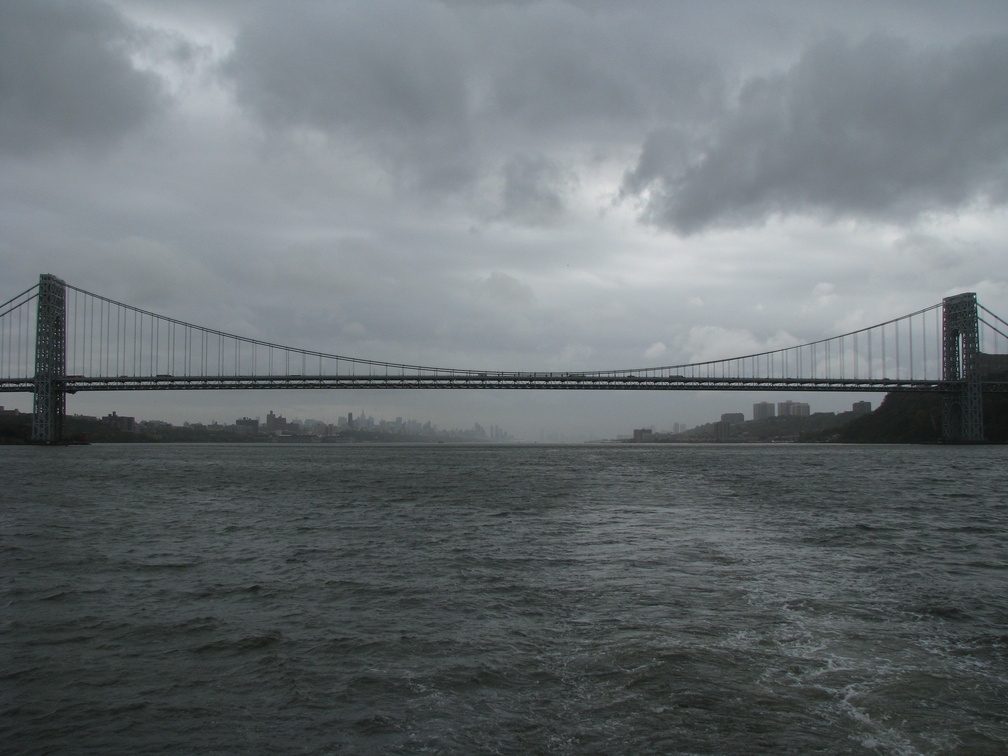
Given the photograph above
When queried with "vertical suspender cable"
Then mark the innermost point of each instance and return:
(90, 340)
(885, 360)
(898, 376)
(910, 337)
(871, 361)
(100, 339)
(857, 358)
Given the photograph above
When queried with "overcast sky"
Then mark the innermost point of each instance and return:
(513, 185)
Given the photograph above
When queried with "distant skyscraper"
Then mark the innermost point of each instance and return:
(275, 422)
(792, 409)
(247, 426)
(732, 418)
(861, 408)
(762, 410)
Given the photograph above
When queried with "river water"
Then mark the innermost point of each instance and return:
(504, 599)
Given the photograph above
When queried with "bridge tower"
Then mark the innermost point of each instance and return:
(49, 406)
(962, 407)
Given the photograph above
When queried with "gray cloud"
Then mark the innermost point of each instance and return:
(568, 70)
(66, 77)
(534, 189)
(507, 290)
(439, 92)
(874, 129)
(389, 74)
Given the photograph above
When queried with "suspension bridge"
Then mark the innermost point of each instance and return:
(57, 339)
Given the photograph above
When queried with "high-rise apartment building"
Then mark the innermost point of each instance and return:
(792, 409)
(247, 426)
(275, 422)
(643, 434)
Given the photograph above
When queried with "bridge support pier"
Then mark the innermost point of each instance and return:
(49, 406)
(962, 407)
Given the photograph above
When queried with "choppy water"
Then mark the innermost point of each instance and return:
(440, 599)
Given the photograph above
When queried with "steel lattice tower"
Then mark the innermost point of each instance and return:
(962, 407)
(50, 362)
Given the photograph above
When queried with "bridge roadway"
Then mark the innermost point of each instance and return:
(491, 380)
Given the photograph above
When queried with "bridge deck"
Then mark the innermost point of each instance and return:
(509, 381)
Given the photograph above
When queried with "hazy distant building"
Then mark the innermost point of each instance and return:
(275, 423)
(861, 408)
(722, 431)
(643, 435)
(762, 410)
(120, 422)
(247, 426)
(732, 418)
(792, 409)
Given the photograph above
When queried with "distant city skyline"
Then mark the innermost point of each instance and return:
(495, 431)
(278, 424)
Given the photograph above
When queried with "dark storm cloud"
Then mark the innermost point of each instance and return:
(874, 129)
(389, 74)
(66, 77)
(571, 71)
(446, 92)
